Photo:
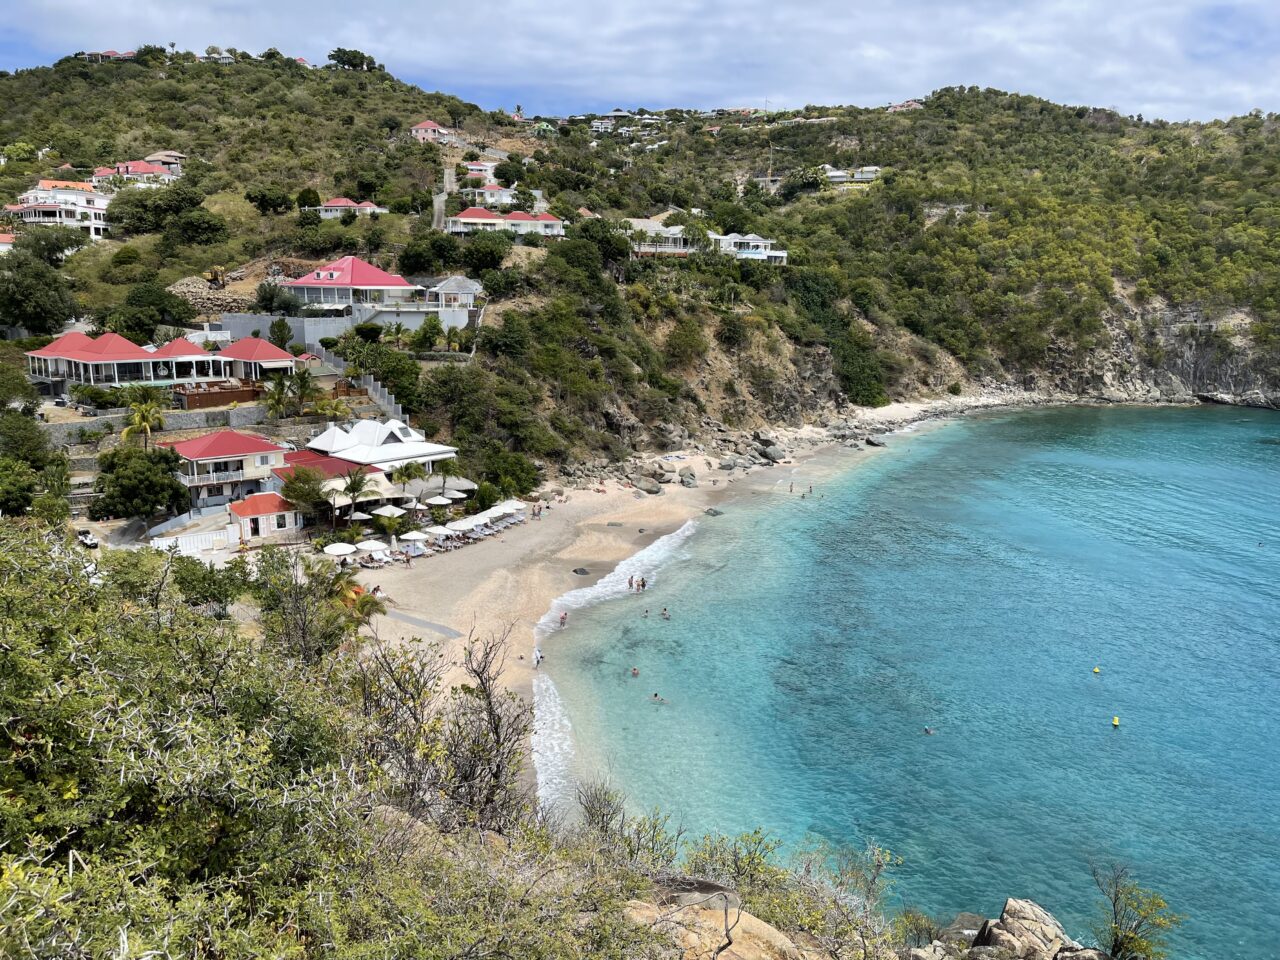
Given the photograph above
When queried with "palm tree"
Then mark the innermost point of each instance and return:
(396, 333)
(143, 418)
(355, 483)
(331, 408)
(446, 468)
(451, 338)
(276, 399)
(406, 473)
(364, 607)
(304, 390)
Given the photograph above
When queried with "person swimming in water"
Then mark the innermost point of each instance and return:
(665, 614)
(928, 731)
(656, 699)
(635, 671)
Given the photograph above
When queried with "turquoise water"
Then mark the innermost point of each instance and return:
(969, 579)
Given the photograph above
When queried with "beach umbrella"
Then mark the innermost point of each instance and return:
(359, 516)
(413, 505)
(389, 511)
(514, 506)
(440, 531)
(340, 549)
(455, 495)
(370, 546)
(440, 502)
(463, 525)
(414, 535)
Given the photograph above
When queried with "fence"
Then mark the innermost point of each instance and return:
(193, 544)
(61, 433)
(195, 513)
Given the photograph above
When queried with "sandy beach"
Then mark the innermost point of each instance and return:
(512, 579)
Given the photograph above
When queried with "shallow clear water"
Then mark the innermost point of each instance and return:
(969, 579)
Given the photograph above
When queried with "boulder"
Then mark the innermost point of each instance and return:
(666, 466)
(1083, 953)
(775, 454)
(713, 512)
(582, 571)
(875, 442)
(667, 478)
(963, 929)
(688, 480)
(1026, 930)
(687, 471)
(646, 484)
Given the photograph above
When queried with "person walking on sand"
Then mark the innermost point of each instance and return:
(792, 488)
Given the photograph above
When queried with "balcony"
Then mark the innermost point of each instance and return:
(204, 479)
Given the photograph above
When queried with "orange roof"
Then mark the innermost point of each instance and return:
(254, 350)
(65, 185)
(260, 505)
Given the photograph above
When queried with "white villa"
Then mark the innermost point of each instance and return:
(384, 445)
(64, 203)
(428, 131)
(352, 280)
(221, 466)
(603, 125)
(651, 238)
(335, 208)
(479, 219)
(134, 173)
(482, 170)
(110, 360)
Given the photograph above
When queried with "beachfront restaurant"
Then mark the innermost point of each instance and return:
(110, 360)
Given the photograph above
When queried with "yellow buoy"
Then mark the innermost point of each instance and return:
(1115, 721)
(1097, 669)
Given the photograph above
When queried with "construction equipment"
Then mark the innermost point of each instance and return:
(216, 277)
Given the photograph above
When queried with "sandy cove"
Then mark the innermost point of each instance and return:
(512, 579)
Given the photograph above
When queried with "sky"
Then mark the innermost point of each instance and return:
(1174, 59)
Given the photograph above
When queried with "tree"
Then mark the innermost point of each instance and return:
(308, 197)
(308, 218)
(280, 332)
(352, 59)
(355, 483)
(51, 244)
(137, 483)
(304, 488)
(143, 418)
(270, 199)
(407, 473)
(445, 469)
(150, 210)
(277, 399)
(33, 295)
(199, 227)
(1134, 922)
(17, 392)
(271, 297)
(485, 251)
(303, 390)
(17, 487)
(146, 306)
(22, 439)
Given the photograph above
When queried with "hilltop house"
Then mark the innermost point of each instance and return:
(63, 203)
(106, 56)
(110, 361)
(835, 176)
(351, 280)
(651, 238)
(481, 170)
(225, 465)
(171, 160)
(428, 131)
(6, 242)
(602, 125)
(866, 174)
(384, 445)
(264, 516)
(496, 195)
(905, 105)
(256, 359)
(135, 173)
(335, 208)
(478, 219)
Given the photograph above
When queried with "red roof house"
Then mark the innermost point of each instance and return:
(264, 515)
(352, 280)
(224, 445)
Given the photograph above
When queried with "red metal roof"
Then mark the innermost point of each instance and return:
(140, 168)
(349, 272)
(339, 202)
(254, 350)
(68, 346)
(108, 348)
(478, 213)
(547, 218)
(222, 445)
(330, 466)
(181, 347)
(519, 215)
(261, 505)
(427, 125)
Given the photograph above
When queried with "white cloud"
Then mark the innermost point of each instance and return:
(1175, 59)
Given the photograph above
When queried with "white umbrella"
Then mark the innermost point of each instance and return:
(340, 549)
(359, 516)
(389, 511)
(463, 525)
(370, 546)
(455, 495)
(414, 535)
(515, 506)
(440, 502)
(440, 531)
(413, 505)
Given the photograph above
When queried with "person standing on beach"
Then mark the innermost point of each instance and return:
(564, 618)
(792, 488)
(631, 582)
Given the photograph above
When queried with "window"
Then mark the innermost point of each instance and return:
(282, 521)
(264, 459)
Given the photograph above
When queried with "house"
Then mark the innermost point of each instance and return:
(253, 358)
(428, 131)
(651, 238)
(135, 173)
(106, 56)
(111, 361)
(223, 58)
(225, 465)
(352, 280)
(490, 195)
(602, 125)
(482, 170)
(586, 214)
(906, 105)
(171, 160)
(478, 220)
(866, 174)
(6, 242)
(264, 516)
(63, 203)
(543, 129)
(835, 176)
(382, 444)
(334, 472)
(335, 208)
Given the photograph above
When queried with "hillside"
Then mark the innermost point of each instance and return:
(1008, 241)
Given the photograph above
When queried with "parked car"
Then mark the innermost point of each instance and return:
(87, 539)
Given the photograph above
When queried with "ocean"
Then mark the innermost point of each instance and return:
(967, 579)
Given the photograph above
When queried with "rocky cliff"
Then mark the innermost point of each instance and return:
(711, 924)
